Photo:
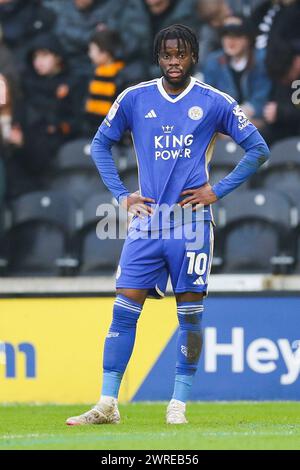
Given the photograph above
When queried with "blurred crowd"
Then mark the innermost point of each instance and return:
(63, 62)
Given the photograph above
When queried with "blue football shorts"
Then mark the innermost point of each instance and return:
(184, 253)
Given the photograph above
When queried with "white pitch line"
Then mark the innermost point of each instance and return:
(24, 436)
(204, 434)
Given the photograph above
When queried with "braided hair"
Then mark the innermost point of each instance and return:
(182, 33)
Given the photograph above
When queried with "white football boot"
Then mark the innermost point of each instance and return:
(105, 412)
(176, 412)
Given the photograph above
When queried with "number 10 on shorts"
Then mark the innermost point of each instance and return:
(197, 263)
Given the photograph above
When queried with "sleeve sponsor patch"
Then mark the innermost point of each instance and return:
(113, 111)
(242, 118)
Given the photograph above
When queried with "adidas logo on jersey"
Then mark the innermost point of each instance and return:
(151, 114)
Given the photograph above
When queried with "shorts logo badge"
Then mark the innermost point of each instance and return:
(199, 282)
(118, 274)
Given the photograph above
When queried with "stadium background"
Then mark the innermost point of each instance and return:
(57, 278)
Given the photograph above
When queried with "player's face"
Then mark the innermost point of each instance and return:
(176, 62)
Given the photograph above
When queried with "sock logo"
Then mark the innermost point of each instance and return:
(184, 350)
(112, 334)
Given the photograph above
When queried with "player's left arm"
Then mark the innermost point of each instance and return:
(233, 122)
(257, 153)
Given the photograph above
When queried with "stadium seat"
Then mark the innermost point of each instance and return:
(226, 153)
(281, 178)
(218, 258)
(126, 159)
(79, 184)
(99, 257)
(75, 154)
(283, 169)
(256, 233)
(90, 207)
(286, 150)
(226, 156)
(41, 223)
(297, 267)
(96, 255)
(74, 171)
(218, 173)
(130, 180)
(294, 197)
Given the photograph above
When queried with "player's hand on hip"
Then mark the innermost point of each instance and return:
(136, 204)
(202, 196)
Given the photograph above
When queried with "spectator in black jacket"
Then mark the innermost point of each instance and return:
(77, 20)
(140, 20)
(9, 99)
(266, 18)
(11, 87)
(282, 113)
(287, 27)
(212, 14)
(50, 114)
(23, 20)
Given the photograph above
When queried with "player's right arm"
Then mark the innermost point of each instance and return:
(233, 122)
(111, 130)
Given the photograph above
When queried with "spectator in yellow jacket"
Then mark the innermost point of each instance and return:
(104, 52)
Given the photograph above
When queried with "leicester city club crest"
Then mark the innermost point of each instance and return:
(195, 113)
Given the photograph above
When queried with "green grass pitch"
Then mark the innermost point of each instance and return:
(238, 425)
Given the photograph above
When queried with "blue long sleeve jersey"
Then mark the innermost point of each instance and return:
(174, 139)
